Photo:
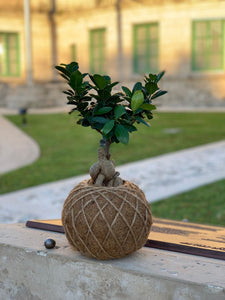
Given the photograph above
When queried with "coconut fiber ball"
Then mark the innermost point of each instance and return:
(106, 222)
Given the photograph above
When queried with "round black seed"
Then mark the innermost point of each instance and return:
(49, 243)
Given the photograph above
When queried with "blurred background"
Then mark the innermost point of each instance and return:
(124, 39)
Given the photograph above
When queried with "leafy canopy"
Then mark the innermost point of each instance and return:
(113, 115)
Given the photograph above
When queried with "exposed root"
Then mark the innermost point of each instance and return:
(103, 172)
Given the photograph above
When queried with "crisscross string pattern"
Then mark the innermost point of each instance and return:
(106, 222)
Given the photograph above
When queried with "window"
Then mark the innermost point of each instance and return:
(9, 54)
(208, 45)
(97, 51)
(145, 48)
(73, 52)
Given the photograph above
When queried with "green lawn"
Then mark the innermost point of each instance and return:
(204, 205)
(68, 149)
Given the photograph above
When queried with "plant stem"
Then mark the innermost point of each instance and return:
(107, 146)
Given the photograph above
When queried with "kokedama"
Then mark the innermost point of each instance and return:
(107, 217)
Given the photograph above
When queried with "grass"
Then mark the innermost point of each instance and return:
(68, 150)
(203, 205)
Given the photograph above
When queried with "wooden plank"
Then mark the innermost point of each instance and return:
(189, 238)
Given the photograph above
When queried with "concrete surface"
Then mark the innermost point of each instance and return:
(29, 271)
(16, 148)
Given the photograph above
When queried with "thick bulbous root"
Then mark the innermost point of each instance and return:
(103, 172)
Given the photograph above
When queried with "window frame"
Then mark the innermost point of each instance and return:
(6, 60)
(208, 53)
(100, 53)
(148, 69)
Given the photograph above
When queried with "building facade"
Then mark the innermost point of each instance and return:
(123, 38)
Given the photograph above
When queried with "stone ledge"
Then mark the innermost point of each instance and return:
(29, 271)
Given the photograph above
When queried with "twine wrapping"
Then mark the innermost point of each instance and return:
(106, 222)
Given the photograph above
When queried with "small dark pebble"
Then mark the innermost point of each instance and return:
(49, 243)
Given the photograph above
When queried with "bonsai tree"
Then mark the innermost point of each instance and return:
(112, 114)
(106, 217)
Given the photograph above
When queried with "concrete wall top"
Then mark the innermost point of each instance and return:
(29, 271)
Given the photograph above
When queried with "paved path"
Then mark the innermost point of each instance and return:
(16, 148)
(159, 178)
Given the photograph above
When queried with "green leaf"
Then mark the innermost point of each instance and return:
(119, 111)
(107, 78)
(112, 100)
(142, 121)
(160, 75)
(130, 128)
(127, 91)
(63, 70)
(71, 102)
(99, 120)
(85, 122)
(72, 67)
(110, 86)
(103, 110)
(76, 80)
(82, 106)
(147, 106)
(158, 94)
(151, 87)
(122, 134)
(100, 81)
(137, 100)
(95, 96)
(114, 139)
(137, 87)
(64, 76)
(69, 92)
(153, 77)
(108, 127)
(85, 74)
(104, 94)
(149, 114)
(97, 126)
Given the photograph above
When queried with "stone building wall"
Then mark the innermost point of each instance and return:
(12, 20)
(75, 19)
(185, 86)
(41, 48)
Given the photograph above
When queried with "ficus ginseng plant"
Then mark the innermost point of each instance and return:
(113, 115)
